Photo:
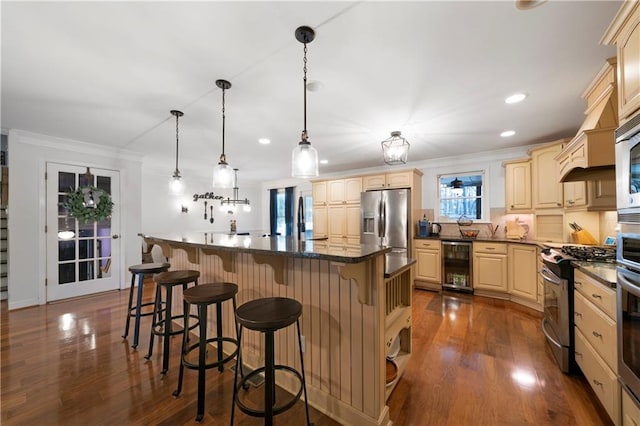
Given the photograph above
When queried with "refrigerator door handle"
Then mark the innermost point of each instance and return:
(383, 219)
(380, 219)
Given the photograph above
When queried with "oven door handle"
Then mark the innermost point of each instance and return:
(547, 275)
(547, 335)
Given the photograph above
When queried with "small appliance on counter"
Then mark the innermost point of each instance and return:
(435, 229)
(423, 227)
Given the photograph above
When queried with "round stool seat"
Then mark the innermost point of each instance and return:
(269, 313)
(149, 268)
(205, 294)
(176, 277)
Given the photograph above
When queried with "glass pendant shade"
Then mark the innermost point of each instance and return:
(176, 185)
(395, 149)
(304, 161)
(66, 235)
(223, 176)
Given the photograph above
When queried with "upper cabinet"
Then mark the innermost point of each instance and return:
(547, 190)
(403, 179)
(624, 32)
(344, 191)
(518, 186)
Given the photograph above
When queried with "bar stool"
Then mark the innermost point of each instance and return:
(136, 311)
(204, 295)
(164, 326)
(268, 315)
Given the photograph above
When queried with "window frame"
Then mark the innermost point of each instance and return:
(484, 196)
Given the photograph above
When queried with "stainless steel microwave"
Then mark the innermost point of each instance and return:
(628, 171)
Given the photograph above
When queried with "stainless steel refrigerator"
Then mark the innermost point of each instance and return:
(385, 218)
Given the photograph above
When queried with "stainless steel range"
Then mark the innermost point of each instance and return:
(557, 276)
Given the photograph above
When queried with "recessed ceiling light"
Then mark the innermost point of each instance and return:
(528, 4)
(324, 161)
(507, 133)
(264, 141)
(515, 98)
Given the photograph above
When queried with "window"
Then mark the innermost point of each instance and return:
(461, 195)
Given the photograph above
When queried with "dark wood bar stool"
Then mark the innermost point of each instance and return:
(162, 324)
(267, 316)
(136, 311)
(204, 295)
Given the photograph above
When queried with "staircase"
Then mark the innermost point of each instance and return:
(3, 253)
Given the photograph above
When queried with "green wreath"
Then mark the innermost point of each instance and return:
(77, 208)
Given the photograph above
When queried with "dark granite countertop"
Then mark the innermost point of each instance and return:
(395, 263)
(455, 237)
(277, 245)
(603, 272)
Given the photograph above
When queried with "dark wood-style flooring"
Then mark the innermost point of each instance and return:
(476, 361)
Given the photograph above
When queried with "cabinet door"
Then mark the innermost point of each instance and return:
(320, 221)
(628, 47)
(352, 190)
(319, 193)
(523, 279)
(630, 411)
(335, 191)
(373, 182)
(602, 194)
(399, 180)
(547, 191)
(337, 224)
(518, 186)
(428, 265)
(352, 223)
(490, 272)
(575, 194)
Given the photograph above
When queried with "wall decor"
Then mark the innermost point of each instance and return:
(82, 205)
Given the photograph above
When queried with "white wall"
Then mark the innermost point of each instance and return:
(27, 209)
(161, 212)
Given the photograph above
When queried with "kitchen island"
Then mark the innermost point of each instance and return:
(353, 311)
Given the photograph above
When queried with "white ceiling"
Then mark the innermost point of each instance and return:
(108, 73)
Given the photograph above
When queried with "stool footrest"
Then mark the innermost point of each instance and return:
(132, 311)
(276, 410)
(158, 328)
(217, 363)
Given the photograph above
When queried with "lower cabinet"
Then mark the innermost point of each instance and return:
(523, 279)
(428, 264)
(490, 266)
(595, 339)
(630, 411)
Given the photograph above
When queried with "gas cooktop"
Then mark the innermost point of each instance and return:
(590, 253)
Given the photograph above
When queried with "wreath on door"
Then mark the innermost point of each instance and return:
(88, 204)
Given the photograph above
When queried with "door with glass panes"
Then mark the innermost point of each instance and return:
(82, 258)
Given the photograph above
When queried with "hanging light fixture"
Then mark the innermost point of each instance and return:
(176, 186)
(68, 231)
(395, 149)
(223, 173)
(457, 185)
(304, 159)
(231, 205)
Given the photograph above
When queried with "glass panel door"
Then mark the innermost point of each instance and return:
(82, 257)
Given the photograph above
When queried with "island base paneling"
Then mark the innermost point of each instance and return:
(344, 349)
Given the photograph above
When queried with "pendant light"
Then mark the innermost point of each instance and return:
(176, 185)
(457, 186)
(304, 159)
(223, 173)
(395, 149)
(229, 205)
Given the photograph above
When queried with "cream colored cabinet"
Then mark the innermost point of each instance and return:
(592, 195)
(319, 193)
(624, 31)
(595, 339)
(630, 411)
(575, 194)
(547, 190)
(344, 191)
(518, 186)
(344, 224)
(402, 179)
(523, 274)
(490, 266)
(428, 255)
(320, 224)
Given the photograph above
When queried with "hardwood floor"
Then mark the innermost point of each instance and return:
(476, 361)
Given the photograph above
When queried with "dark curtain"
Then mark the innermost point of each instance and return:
(479, 202)
(273, 211)
(288, 209)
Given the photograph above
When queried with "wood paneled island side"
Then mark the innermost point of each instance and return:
(353, 310)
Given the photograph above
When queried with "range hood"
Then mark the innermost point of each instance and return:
(590, 155)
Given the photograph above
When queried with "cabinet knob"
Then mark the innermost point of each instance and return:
(596, 296)
(596, 334)
(558, 204)
(597, 383)
(578, 282)
(577, 314)
(578, 353)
